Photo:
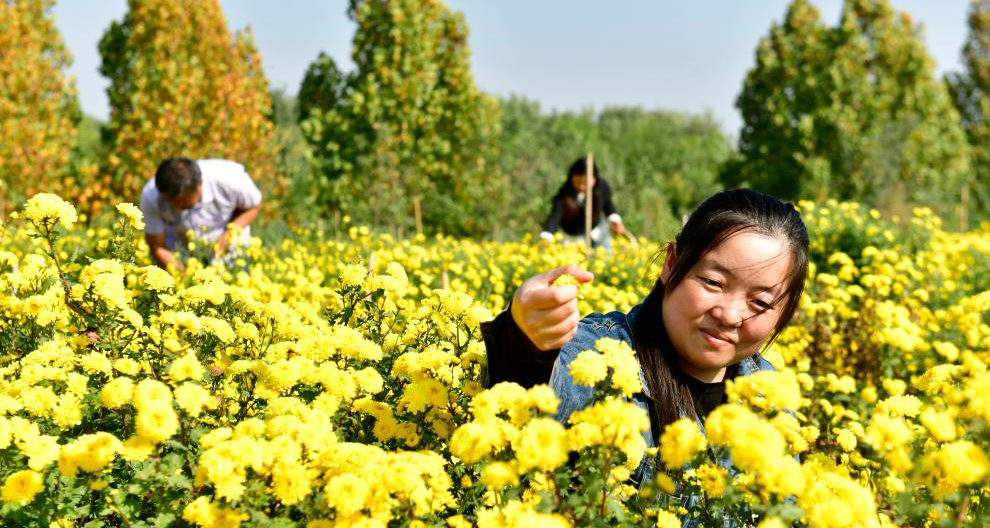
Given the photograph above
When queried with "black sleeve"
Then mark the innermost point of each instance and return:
(553, 221)
(512, 356)
(606, 196)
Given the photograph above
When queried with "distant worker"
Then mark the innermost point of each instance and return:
(200, 197)
(568, 208)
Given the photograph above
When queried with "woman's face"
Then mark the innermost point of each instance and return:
(724, 309)
(580, 182)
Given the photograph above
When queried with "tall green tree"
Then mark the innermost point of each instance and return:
(408, 125)
(38, 107)
(788, 133)
(182, 84)
(852, 111)
(971, 94)
(467, 125)
(910, 146)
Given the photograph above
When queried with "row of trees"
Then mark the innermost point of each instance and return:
(851, 111)
(668, 160)
(408, 129)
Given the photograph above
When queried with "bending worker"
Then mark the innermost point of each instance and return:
(568, 208)
(199, 198)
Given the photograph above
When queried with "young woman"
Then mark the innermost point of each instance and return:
(567, 212)
(731, 281)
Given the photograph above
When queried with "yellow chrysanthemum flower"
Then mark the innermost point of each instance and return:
(21, 487)
(45, 207)
(132, 213)
(680, 442)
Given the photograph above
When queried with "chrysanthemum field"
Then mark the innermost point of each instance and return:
(338, 382)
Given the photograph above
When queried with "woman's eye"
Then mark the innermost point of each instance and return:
(711, 282)
(762, 305)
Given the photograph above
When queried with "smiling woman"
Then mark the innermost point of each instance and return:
(731, 281)
(725, 309)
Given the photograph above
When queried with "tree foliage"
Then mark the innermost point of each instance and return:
(851, 111)
(971, 94)
(408, 124)
(38, 108)
(181, 84)
(300, 202)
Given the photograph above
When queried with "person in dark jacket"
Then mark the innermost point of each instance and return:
(568, 213)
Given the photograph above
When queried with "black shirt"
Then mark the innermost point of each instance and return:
(706, 396)
(568, 213)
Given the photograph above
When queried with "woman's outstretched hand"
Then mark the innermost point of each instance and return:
(548, 315)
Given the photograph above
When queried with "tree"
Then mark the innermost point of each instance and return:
(38, 107)
(971, 94)
(786, 133)
(329, 128)
(181, 84)
(460, 197)
(852, 112)
(407, 125)
(909, 146)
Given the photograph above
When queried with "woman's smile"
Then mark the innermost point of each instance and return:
(715, 339)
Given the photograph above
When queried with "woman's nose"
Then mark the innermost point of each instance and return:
(730, 312)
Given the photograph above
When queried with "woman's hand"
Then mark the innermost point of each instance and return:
(548, 315)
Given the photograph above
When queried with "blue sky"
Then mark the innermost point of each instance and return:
(688, 56)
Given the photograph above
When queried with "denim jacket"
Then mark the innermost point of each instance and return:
(574, 397)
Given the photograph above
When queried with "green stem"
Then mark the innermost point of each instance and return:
(116, 506)
(605, 476)
(53, 253)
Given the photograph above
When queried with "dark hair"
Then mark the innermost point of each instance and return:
(580, 167)
(716, 219)
(567, 189)
(177, 176)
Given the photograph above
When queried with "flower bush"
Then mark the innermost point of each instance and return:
(339, 382)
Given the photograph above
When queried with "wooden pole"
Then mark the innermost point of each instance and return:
(964, 209)
(419, 215)
(589, 170)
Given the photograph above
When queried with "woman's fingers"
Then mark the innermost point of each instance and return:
(555, 328)
(550, 328)
(545, 298)
(553, 316)
(535, 293)
(548, 315)
(581, 275)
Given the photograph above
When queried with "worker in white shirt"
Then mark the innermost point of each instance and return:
(201, 197)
